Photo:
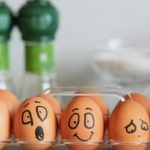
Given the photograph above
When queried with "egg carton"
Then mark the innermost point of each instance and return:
(79, 127)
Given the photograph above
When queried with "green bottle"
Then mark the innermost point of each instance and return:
(6, 24)
(38, 23)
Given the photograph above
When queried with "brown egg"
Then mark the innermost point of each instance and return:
(82, 123)
(4, 124)
(129, 122)
(10, 100)
(54, 103)
(35, 121)
(141, 99)
(100, 102)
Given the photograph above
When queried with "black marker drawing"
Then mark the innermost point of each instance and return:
(26, 105)
(75, 109)
(41, 112)
(37, 102)
(74, 121)
(27, 118)
(83, 140)
(39, 133)
(131, 127)
(89, 121)
(144, 125)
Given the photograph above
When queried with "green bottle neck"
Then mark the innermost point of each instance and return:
(39, 57)
(4, 59)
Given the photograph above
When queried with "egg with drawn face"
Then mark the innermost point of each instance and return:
(82, 122)
(129, 122)
(35, 121)
(100, 102)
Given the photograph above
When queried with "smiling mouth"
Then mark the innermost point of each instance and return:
(84, 140)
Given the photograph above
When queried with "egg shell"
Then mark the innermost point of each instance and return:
(54, 103)
(4, 124)
(10, 100)
(141, 99)
(35, 121)
(82, 123)
(127, 123)
(100, 102)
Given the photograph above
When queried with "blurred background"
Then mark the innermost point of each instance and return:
(87, 29)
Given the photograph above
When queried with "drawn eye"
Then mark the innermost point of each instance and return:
(74, 121)
(131, 127)
(144, 125)
(27, 117)
(41, 112)
(89, 121)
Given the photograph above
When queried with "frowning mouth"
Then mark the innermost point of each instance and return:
(84, 140)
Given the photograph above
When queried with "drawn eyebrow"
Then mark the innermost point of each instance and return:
(37, 102)
(26, 105)
(142, 120)
(75, 109)
(89, 108)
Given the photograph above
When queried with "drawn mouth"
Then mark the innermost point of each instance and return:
(84, 140)
(39, 133)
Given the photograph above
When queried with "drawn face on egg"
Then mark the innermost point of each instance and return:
(29, 118)
(129, 122)
(87, 120)
(35, 121)
(81, 120)
(132, 128)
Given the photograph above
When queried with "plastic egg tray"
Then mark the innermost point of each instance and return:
(111, 96)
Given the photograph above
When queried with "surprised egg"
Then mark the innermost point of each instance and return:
(54, 103)
(35, 124)
(82, 123)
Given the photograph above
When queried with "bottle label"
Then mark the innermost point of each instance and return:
(39, 58)
(4, 61)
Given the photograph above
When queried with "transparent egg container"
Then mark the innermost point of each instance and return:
(64, 95)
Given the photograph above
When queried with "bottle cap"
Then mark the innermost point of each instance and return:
(38, 21)
(6, 22)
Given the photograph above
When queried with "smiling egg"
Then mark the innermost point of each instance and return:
(82, 123)
(35, 124)
(129, 122)
(100, 102)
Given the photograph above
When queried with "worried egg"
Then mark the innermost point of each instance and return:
(129, 122)
(141, 99)
(35, 124)
(82, 123)
(100, 102)
(4, 124)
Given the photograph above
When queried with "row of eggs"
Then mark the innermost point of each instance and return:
(83, 122)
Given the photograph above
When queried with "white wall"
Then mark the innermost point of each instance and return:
(84, 24)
